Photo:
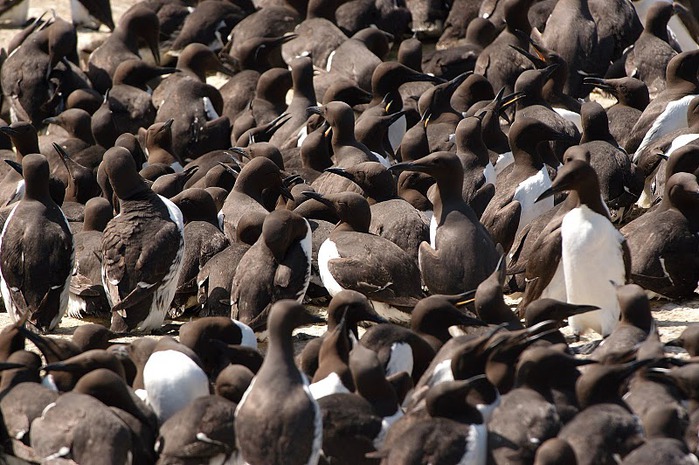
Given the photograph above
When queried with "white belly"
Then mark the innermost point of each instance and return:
(476, 446)
(172, 380)
(331, 384)
(593, 266)
(527, 192)
(441, 373)
(504, 160)
(570, 116)
(327, 252)
(489, 173)
(433, 232)
(396, 131)
(681, 141)
(401, 359)
(248, 335)
(674, 117)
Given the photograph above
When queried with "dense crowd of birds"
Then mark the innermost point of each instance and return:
(409, 195)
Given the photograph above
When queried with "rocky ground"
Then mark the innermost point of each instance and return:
(672, 317)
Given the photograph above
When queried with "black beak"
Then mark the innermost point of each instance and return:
(229, 168)
(15, 166)
(459, 300)
(10, 366)
(223, 69)
(457, 81)
(167, 125)
(60, 366)
(315, 110)
(340, 172)
(316, 196)
(508, 101)
(546, 194)
(549, 70)
(285, 193)
(597, 82)
(292, 180)
(539, 63)
(240, 151)
(405, 166)
(678, 8)
(8, 131)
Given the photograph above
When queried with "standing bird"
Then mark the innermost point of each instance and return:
(122, 44)
(648, 58)
(352, 258)
(461, 253)
(29, 74)
(593, 257)
(142, 248)
(498, 62)
(277, 266)
(667, 112)
(664, 242)
(91, 14)
(514, 205)
(277, 420)
(572, 32)
(36, 246)
(632, 98)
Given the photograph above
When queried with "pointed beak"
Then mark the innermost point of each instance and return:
(223, 69)
(597, 82)
(285, 192)
(465, 298)
(678, 8)
(316, 196)
(549, 70)
(375, 318)
(425, 118)
(538, 62)
(546, 194)
(8, 131)
(60, 150)
(315, 110)
(242, 151)
(538, 49)
(286, 38)
(569, 310)
(340, 172)
(155, 50)
(229, 168)
(10, 366)
(15, 166)
(422, 77)
(395, 117)
(60, 366)
(406, 166)
(292, 180)
(166, 70)
(510, 100)
(167, 125)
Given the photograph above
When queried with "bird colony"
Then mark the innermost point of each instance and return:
(223, 172)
